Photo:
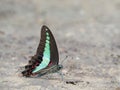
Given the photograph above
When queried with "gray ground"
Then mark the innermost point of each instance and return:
(87, 31)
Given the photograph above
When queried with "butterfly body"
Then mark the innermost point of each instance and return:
(51, 69)
(46, 58)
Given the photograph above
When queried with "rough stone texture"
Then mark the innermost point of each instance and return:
(87, 31)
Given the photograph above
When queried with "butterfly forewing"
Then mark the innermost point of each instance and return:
(54, 57)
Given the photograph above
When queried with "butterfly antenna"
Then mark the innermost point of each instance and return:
(64, 59)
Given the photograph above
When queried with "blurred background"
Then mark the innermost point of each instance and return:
(88, 31)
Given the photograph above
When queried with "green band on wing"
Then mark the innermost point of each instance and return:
(46, 55)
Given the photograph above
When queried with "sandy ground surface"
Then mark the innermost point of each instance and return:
(87, 31)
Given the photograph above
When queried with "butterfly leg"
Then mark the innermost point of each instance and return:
(61, 74)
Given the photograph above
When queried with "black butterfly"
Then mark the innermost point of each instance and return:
(46, 58)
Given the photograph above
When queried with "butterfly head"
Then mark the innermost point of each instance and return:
(60, 67)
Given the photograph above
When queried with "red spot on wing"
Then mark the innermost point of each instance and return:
(50, 64)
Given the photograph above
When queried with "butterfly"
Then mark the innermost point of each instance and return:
(46, 59)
